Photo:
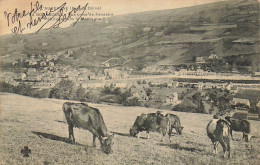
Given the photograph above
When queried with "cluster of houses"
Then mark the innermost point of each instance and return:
(159, 69)
(48, 77)
(160, 91)
(165, 96)
(170, 97)
(188, 70)
(39, 61)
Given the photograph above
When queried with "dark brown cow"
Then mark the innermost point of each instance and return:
(82, 116)
(218, 131)
(240, 125)
(150, 122)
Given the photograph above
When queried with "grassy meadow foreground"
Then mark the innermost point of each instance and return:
(40, 125)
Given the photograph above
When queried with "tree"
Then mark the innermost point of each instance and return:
(194, 58)
(117, 91)
(148, 92)
(197, 99)
(23, 89)
(139, 67)
(80, 94)
(107, 90)
(65, 89)
(223, 104)
(123, 96)
(5, 87)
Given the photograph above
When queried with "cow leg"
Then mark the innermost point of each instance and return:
(170, 134)
(161, 138)
(216, 143)
(228, 148)
(138, 135)
(224, 146)
(163, 135)
(245, 136)
(94, 140)
(147, 135)
(231, 134)
(170, 139)
(95, 135)
(71, 134)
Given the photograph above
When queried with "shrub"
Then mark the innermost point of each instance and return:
(80, 94)
(63, 90)
(133, 101)
(5, 87)
(23, 89)
(106, 90)
(123, 97)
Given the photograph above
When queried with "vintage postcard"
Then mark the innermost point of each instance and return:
(129, 82)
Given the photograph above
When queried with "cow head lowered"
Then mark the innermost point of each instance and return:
(106, 144)
(179, 130)
(138, 125)
(133, 131)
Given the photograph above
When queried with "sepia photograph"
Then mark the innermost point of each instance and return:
(111, 82)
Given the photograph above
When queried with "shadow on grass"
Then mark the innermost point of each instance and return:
(127, 135)
(198, 144)
(59, 121)
(54, 137)
(178, 147)
(122, 134)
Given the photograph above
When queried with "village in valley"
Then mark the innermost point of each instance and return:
(173, 87)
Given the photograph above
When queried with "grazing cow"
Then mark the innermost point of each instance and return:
(218, 131)
(175, 123)
(240, 125)
(82, 116)
(150, 122)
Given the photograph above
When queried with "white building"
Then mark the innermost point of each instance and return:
(172, 98)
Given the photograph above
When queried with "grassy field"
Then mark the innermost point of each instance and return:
(40, 125)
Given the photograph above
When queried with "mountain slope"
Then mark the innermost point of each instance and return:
(155, 37)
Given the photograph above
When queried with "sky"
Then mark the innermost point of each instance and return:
(116, 7)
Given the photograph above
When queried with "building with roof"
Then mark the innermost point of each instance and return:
(213, 56)
(172, 98)
(237, 101)
(139, 92)
(200, 60)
